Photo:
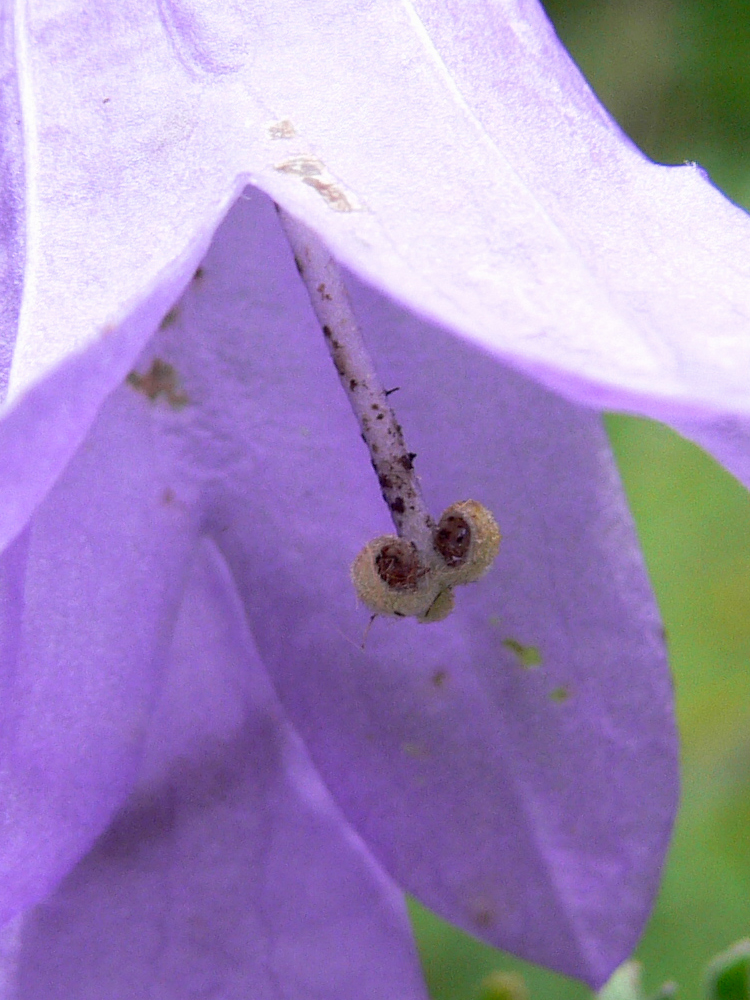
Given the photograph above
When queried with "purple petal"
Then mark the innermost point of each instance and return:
(88, 594)
(727, 438)
(11, 198)
(663, 245)
(112, 236)
(230, 873)
(530, 804)
(458, 163)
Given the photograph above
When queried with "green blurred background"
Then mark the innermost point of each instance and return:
(676, 75)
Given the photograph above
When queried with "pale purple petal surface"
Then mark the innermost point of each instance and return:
(88, 598)
(535, 822)
(524, 222)
(514, 766)
(530, 802)
(230, 872)
(12, 235)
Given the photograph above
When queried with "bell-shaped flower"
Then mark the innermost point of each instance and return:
(210, 786)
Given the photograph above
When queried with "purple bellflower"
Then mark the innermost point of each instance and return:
(209, 788)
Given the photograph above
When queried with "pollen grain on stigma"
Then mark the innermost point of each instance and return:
(412, 573)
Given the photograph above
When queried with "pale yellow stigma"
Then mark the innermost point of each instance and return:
(393, 578)
(468, 539)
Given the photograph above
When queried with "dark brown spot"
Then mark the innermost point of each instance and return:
(408, 460)
(327, 332)
(159, 380)
(299, 265)
(398, 506)
(398, 565)
(199, 272)
(323, 293)
(380, 416)
(439, 678)
(353, 383)
(452, 539)
(386, 482)
(482, 913)
(106, 100)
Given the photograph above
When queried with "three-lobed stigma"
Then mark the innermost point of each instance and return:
(393, 578)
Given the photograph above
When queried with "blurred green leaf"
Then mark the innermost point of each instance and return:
(728, 976)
